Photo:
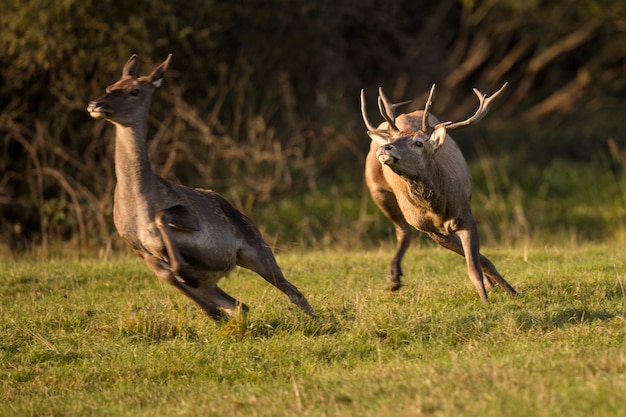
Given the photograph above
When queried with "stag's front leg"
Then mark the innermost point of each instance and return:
(471, 250)
(387, 203)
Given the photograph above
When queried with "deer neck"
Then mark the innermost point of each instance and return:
(425, 190)
(132, 167)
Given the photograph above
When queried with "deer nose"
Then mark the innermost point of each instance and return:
(384, 149)
(92, 105)
(96, 109)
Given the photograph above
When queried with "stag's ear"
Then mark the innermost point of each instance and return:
(381, 137)
(131, 68)
(438, 136)
(156, 78)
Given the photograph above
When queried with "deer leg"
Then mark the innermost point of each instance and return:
(165, 274)
(494, 276)
(177, 263)
(387, 203)
(471, 249)
(223, 301)
(453, 243)
(262, 261)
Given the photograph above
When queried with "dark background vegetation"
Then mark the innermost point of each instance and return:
(261, 104)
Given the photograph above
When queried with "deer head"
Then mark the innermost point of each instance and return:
(128, 99)
(406, 151)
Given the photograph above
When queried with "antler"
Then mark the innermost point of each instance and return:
(387, 110)
(366, 119)
(427, 109)
(483, 107)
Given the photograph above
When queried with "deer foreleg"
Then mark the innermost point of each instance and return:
(208, 290)
(163, 220)
(387, 203)
(403, 235)
(453, 243)
(165, 274)
(471, 249)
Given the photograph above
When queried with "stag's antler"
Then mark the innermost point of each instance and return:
(387, 110)
(429, 102)
(366, 119)
(483, 108)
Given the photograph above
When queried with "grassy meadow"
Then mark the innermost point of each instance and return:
(85, 336)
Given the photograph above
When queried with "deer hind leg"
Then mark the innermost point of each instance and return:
(494, 276)
(490, 273)
(165, 274)
(388, 204)
(261, 260)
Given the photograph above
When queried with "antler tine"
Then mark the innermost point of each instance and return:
(429, 102)
(483, 108)
(366, 119)
(387, 110)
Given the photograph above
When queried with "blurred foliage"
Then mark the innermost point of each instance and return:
(261, 102)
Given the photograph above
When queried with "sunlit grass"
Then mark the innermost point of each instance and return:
(94, 337)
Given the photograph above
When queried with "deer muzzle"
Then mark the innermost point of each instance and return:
(96, 110)
(387, 154)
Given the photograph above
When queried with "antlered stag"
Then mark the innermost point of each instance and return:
(418, 177)
(190, 238)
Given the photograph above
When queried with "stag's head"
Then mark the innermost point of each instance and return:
(127, 101)
(406, 152)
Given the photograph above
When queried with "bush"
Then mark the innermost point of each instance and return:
(261, 102)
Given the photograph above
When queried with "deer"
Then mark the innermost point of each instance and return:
(417, 176)
(189, 237)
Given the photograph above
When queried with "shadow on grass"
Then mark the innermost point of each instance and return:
(563, 318)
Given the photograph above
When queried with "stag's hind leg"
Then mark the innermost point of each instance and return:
(453, 243)
(261, 260)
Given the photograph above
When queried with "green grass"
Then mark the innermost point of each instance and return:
(82, 336)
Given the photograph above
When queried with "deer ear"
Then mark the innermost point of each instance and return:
(438, 136)
(156, 78)
(381, 137)
(131, 68)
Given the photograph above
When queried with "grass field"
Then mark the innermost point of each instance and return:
(82, 336)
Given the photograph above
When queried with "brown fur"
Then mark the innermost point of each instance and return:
(418, 177)
(190, 238)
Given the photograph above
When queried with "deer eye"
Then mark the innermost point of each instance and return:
(134, 92)
(417, 143)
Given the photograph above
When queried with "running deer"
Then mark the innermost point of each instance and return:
(418, 177)
(190, 238)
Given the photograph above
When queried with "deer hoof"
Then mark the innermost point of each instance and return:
(394, 286)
